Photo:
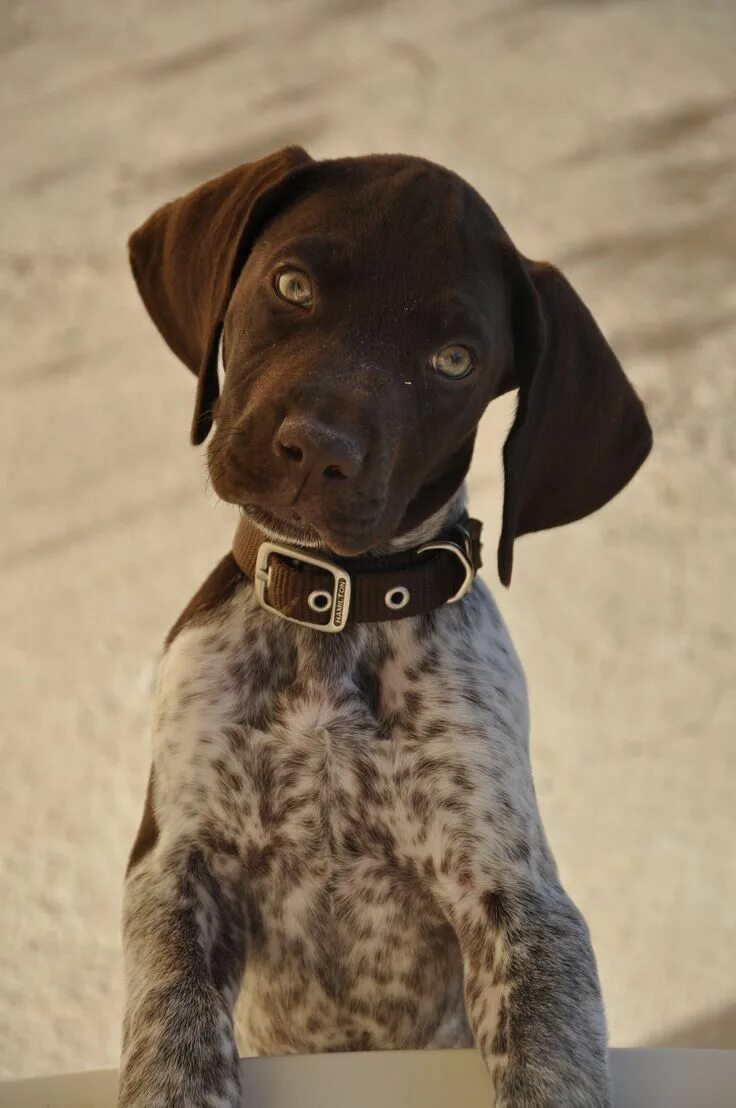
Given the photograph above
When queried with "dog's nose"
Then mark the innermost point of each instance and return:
(313, 450)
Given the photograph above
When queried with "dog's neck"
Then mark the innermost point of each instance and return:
(433, 565)
(431, 527)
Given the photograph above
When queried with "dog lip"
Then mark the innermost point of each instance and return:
(347, 536)
(313, 514)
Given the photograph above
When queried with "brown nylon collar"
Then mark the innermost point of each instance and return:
(326, 593)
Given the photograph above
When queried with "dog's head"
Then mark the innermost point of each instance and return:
(366, 311)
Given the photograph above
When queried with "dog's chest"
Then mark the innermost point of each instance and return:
(318, 769)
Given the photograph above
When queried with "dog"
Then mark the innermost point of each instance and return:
(340, 815)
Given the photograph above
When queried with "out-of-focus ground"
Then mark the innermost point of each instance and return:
(604, 134)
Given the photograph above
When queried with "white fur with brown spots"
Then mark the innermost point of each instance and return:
(348, 825)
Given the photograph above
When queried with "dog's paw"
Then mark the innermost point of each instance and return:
(168, 1090)
(180, 1052)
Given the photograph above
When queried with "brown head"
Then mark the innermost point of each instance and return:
(367, 311)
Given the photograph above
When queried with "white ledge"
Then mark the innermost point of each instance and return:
(412, 1079)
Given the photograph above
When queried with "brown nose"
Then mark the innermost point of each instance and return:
(312, 450)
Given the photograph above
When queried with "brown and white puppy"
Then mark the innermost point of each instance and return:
(346, 824)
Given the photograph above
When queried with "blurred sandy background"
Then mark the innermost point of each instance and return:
(604, 134)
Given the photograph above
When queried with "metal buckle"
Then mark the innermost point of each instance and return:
(463, 556)
(340, 595)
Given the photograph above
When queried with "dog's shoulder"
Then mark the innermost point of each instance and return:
(215, 592)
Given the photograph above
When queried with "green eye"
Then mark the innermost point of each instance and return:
(453, 361)
(294, 286)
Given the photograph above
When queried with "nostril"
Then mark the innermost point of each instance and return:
(294, 453)
(335, 473)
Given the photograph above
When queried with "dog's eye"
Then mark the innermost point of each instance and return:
(294, 286)
(453, 361)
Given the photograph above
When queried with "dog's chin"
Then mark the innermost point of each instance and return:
(346, 540)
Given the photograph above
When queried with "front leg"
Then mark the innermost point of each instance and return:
(532, 993)
(184, 951)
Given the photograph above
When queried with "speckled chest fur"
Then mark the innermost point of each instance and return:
(342, 777)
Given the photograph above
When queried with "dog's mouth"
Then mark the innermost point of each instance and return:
(348, 536)
(288, 527)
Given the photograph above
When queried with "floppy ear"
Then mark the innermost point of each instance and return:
(187, 256)
(580, 431)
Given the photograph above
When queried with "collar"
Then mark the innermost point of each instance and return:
(328, 593)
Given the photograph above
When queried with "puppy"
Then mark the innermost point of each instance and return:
(341, 827)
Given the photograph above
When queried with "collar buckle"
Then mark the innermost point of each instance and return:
(340, 606)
